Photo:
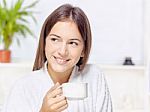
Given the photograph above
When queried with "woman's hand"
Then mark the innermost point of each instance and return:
(54, 101)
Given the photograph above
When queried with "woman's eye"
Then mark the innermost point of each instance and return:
(54, 39)
(74, 43)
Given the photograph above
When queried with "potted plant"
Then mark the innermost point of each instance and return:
(13, 20)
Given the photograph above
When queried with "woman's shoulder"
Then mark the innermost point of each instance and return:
(33, 74)
(30, 78)
(92, 70)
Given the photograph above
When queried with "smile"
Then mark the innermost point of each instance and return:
(61, 61)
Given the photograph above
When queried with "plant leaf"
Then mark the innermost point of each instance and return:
(17, 6)
(18, 41)
(14, 20)
(24, 20)
(31, 5)
(4, 3)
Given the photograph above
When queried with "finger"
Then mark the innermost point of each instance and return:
(54, 91)
(62, 108)
(59, 99)
(56, 100)
(59, 104)
(54, 87)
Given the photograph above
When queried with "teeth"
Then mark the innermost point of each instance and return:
(61, 61)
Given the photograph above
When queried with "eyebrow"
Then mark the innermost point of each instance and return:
(55, 35)
(60, 37)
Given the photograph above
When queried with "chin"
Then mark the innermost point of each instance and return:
(59, 69)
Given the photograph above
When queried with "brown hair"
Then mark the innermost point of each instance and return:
(65, 12)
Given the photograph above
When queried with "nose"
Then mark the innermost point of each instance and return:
(63, 50)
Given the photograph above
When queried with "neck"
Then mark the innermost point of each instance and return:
(61, 77)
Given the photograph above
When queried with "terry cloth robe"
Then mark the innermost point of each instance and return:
(28, 92)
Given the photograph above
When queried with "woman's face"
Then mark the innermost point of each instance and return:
(64, 46)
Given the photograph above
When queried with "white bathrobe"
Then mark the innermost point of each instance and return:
(28, 92)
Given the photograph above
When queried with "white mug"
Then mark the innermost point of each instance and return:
(75, 91)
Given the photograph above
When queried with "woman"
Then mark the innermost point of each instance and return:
(62, 54)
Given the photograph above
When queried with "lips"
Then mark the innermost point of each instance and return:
(61, 61)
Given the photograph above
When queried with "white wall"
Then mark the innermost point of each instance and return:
(117, 27)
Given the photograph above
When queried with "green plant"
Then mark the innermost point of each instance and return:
(15, 19)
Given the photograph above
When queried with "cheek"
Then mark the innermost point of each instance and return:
(48, 50)
(76, 54)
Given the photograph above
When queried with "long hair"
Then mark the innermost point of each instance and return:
(65, 12)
